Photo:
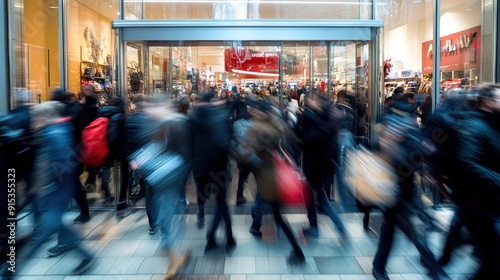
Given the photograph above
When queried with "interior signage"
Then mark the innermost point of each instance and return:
(459, 51)
(245, 61)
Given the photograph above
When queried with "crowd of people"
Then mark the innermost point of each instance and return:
(209, 131)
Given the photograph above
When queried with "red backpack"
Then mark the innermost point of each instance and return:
(95, 143)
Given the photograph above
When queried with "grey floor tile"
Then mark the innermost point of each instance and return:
(292, 277)
(321, 277)
(188, 268)
(272, 265)
(65, 266)
(400, 265)
(309, 267)
(120, 248)
(250, 247)
(138, 232)
(35, 266)
(239, 265)
(95, 246)
(38, 277)
(147, 248)
(338, 265)
(101, 266)
(154, 265)
(98, 232)
(116, 231)
(209, 265)
(409, 276)
(263, 277)
(197, 246)
(365, 263)
(367, 246)
(319, 247)
(237, 277)
(279, 247)
(126, 265)
(355, 277)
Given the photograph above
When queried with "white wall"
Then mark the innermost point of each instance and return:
(404, 43)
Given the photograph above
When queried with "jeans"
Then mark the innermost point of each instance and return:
(257, 211)
(165, 205)
(51, 222)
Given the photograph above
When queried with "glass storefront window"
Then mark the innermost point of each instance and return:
(90, 44)
(248, 9)
(36, 69)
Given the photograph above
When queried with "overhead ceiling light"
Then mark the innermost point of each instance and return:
(53, 7)
(316, 2)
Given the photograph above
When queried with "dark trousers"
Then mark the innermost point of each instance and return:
(81, 197)
(485, 231)
(402, 216)
(258, 214)
(123, 181)
(278, 218)
(151, 210)
(242, 179)
(216, 183)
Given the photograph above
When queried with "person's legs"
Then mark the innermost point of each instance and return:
(257, 216)
(123, 193)
(414, 229)
(242, 179)
(151, 208)
(202, 194)
(385, 241)
(286, 229)
(453, 239)
(312, 231)
(485, 232)
(105, 178)
(330, 211)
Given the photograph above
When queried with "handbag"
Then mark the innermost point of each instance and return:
(142, 159)
(290, 182)
(169, 171)
(371, 180)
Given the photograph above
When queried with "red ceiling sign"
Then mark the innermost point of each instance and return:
(459, 51)
(242, 60)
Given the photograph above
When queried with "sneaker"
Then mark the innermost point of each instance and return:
(84, 265)
(81, 219)
(255, 231)
(152, 230)
(230, 244)
(58, 250)
(240, 200)
(379, 276)
(312, 231)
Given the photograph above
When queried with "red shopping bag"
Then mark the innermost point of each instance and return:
(290, 182)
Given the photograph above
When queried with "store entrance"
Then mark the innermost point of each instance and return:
(283, 68)
(285, 58)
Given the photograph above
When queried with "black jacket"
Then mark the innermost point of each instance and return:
(116, 135)
(478, 154)
(211, 135)
(138, 128)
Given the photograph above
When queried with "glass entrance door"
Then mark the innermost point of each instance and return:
(283, 71)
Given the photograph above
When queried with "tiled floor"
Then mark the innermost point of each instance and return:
(125, 250)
